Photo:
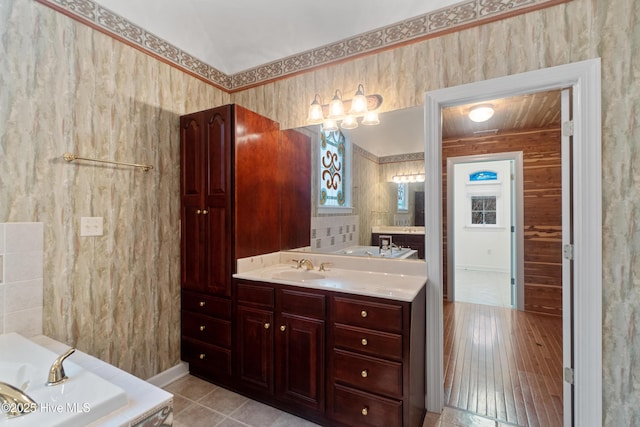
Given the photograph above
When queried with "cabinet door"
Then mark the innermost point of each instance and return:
(192, 193)
(300, 360)
(217, 200)
(205, 166)
(255, 348)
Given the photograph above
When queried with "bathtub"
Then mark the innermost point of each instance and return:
(374, 251)
(83, 398)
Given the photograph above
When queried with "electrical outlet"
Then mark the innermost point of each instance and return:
(91, 226)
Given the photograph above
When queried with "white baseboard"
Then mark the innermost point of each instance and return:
(482, 268)
(165, 378)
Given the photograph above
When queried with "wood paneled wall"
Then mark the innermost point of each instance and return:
(542, 209)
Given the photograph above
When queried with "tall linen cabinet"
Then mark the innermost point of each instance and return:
(230, 209)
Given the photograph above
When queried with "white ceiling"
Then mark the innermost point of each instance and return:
(234, 36)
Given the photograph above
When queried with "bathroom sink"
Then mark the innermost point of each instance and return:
(298, 275)
(82, 399)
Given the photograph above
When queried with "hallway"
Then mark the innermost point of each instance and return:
(503, 364)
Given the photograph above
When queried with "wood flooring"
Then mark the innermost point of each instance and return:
(503, 364)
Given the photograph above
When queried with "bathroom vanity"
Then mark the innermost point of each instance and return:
(341, 347)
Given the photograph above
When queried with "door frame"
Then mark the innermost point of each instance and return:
(517, 204)
(585, 79)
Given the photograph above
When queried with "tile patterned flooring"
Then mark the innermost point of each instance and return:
(198, 403)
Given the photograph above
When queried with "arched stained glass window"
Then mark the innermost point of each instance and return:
(332, 169)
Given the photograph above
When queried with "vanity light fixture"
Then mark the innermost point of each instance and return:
(411, 177)
(481, 113)
(360, 106)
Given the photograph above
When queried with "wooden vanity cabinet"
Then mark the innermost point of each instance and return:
(336, 359)
(230, 191)
(206, 334)
(376, 357)
(280, 346)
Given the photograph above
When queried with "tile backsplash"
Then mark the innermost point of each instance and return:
(21, 277)
(332, 233)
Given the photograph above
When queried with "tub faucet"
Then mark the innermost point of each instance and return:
(56, 372)
(15, 402)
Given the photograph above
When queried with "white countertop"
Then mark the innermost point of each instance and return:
(395, 229)
(386, 278)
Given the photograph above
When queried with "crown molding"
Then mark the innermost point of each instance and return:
(459, 16)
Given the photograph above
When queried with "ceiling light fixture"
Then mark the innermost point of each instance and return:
(360, 106)
(481, 113)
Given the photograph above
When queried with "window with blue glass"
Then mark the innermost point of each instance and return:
(403, 197)
(333, 170)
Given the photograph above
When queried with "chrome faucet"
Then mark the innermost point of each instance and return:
(56, 372)
(304, 262)
(15, 402)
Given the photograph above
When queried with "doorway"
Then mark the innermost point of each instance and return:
(485, 225)
(586, 222)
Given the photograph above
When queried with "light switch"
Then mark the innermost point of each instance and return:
(91, 226)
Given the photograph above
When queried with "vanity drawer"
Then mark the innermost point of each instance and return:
(208, 329)
(255, 295)
(302, 303)
(368, 373)
(206, 358)
(367, 314)
(357, 408)
(206, 304)
(381, 344)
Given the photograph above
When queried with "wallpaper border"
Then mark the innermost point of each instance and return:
(456, 17)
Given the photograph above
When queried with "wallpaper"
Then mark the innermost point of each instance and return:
(67, 88)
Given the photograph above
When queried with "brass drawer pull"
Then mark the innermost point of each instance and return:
(364, 313)
(201, 328)
(267, 325)
(202, 356)
(282, 328)
(202, 303)
(364, 341)
(364, 373)
(365, 411)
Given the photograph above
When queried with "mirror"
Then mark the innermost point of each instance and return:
(394, 148)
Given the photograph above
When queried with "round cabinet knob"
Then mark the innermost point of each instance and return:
(282, 328)
(202, 303)
(364, 341)
(364, 373)
(364, 313)
(365, 411)
(198, 211)
(201, 328)
(202, 356)
(204, 212)
(267, 325)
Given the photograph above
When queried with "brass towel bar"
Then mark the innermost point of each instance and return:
(71, 157)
